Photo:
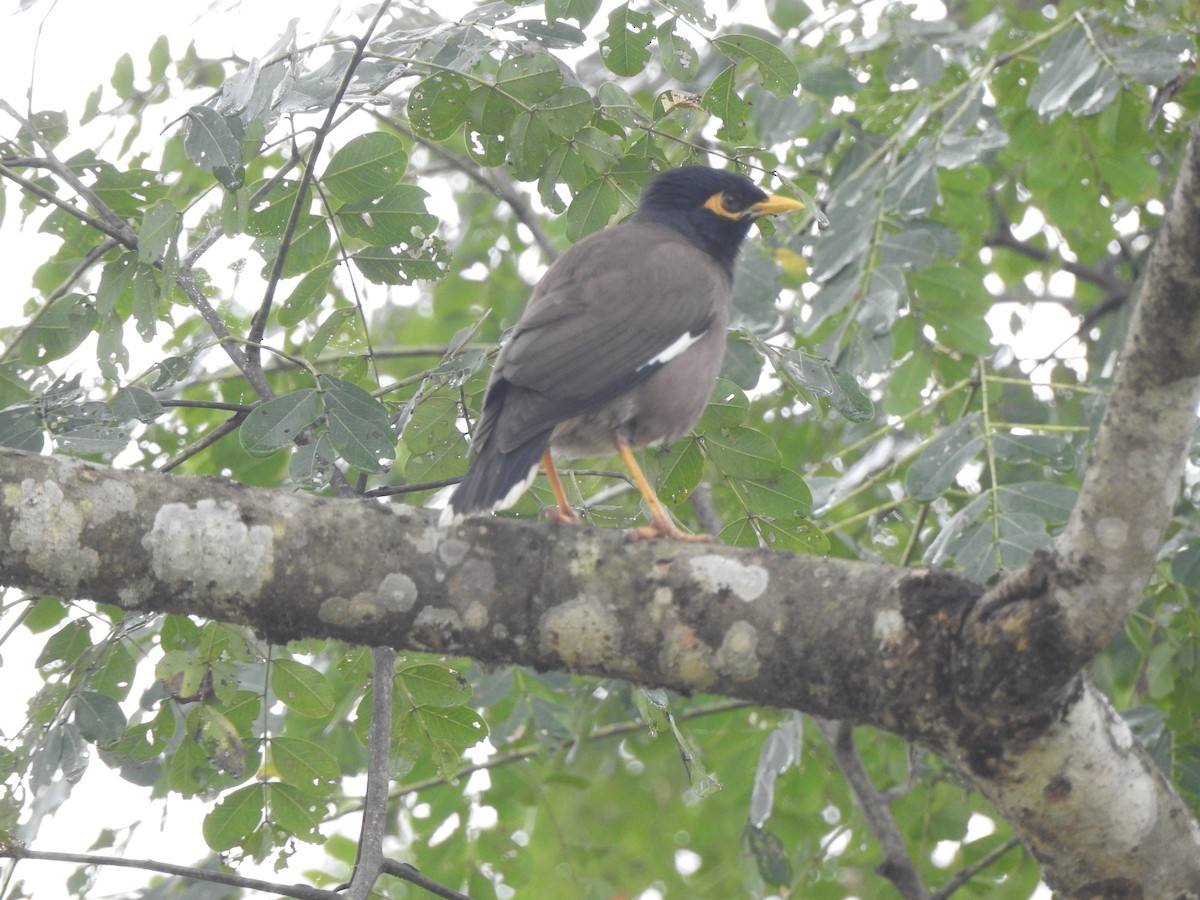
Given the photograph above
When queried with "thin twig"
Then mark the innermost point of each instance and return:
(258, 324)
(120, 235)
(897, 866)
(967, 873)
(64, 172)
(301, 891)
(205, 442)
(370, 861)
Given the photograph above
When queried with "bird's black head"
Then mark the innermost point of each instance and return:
(711, 207)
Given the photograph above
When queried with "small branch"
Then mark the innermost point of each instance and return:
(303, 892)
(410, 874)
(120, 235)
(897, 866)
(127, 235)
(208, 404)
(370, 862)
(966, 874)
(258, 325)
(705, 510)
(1115, 288)
(205, 442)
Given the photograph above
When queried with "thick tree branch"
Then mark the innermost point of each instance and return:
(1055, 615)
(866, 643)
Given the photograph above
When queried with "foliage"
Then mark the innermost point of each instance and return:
(391, 201)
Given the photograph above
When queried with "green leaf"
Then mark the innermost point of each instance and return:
(626, 49)
(306, 296)
(940, 460)
(302, 688)
(160, 225)
(397, 216)
(428, 684)
(1073, 77)
(727, 408)
(529, 79)
(618, 105)
(784, 496)
(358, 425)
(676, 471)
(305, 765)
(437, 105)
(743, 453)
(367, 167)
(403, 264)
(59, 330)
(458, 726)
(294, 811)
(270, 215)
(122, 76)
(722, 100)
(274, 425)
(435, 445)
(492, 112)
(679, 57)
(582, 11)
(954, 301)
(530, 144)
(770, 855)
(554, 36)
(221, 742)
(310, 247)
(776, 71)
(21, 428)
(234, 818)
(99, 718)
(1041, 449)
(67, 645)
(592, 208)
(693, 11)
(214, 143)
(567, 111)
(1051, 503)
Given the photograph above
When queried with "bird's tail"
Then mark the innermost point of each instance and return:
(495, 479)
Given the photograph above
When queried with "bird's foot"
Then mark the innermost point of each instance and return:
(665, 530)
(560, 515)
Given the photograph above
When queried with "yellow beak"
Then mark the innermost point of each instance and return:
(773, 205)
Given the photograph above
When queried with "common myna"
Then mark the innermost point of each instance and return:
(619, 345)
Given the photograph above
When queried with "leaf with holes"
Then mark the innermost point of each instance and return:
(723, 101)
(437, 105)
(626, 49)
(776, 70)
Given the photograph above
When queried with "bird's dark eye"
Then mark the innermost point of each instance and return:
(731, 202)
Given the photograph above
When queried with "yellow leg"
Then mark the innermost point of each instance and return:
(661, 524)
(563, 513)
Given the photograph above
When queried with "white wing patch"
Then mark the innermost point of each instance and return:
(674, 349)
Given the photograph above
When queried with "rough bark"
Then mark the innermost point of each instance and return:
(866, 643)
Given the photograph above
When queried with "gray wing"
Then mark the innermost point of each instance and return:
(595, 324)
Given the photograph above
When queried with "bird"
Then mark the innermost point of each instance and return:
(619, 345)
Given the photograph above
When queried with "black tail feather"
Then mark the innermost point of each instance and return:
(495, 479)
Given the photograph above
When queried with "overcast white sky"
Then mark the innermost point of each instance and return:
(81, 41)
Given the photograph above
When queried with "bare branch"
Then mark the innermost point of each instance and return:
(897, 866)
(192, 873)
